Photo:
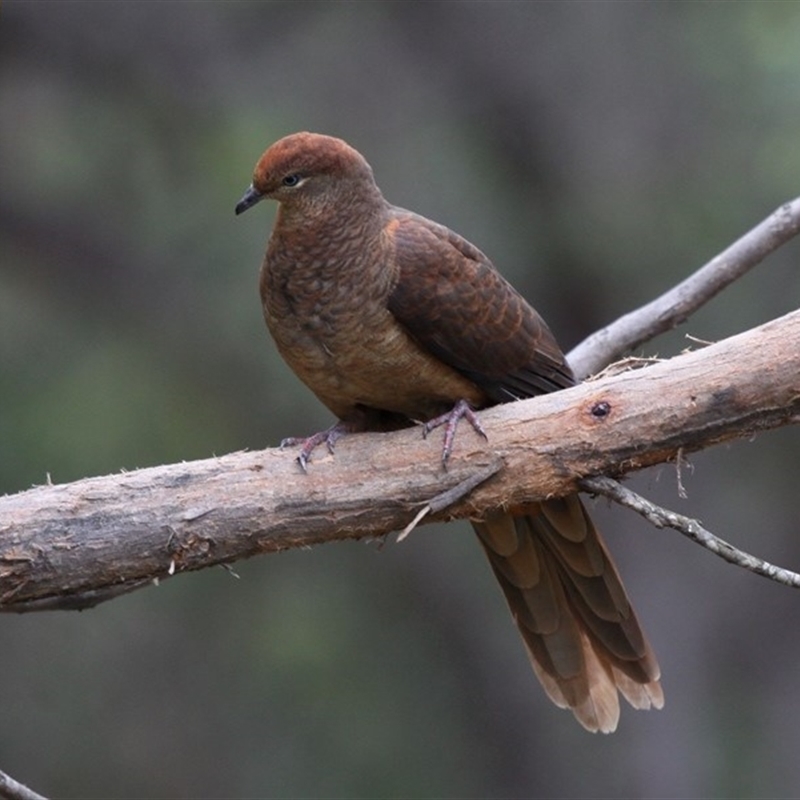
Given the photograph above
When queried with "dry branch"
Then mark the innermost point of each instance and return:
(77, 544)
(677, 305)
(664, 518)
(13, 790)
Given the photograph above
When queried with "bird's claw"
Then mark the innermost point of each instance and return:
(329, 437)
(450, 420)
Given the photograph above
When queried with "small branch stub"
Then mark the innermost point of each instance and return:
(451, 496)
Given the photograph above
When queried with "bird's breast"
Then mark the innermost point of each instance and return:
(344, 344)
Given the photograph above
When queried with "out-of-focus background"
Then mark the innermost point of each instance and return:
(598, 152)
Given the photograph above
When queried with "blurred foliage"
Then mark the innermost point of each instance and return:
(597, 152)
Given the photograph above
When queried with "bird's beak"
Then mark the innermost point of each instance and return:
(249, 199)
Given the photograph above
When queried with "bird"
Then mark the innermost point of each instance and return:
(391, 320)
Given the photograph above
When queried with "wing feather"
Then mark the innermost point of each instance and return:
(455, 304)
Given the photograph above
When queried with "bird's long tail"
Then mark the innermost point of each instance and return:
(567, 600)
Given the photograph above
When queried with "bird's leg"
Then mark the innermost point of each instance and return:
(329, 437)
(450, 420)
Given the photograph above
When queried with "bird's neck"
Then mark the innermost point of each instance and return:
(319, 220)
(321, 211)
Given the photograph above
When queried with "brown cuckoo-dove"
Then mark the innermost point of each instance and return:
(388, 317)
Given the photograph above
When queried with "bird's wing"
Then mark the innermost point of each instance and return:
(455, 304)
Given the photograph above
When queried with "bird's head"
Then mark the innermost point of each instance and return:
(307, 172)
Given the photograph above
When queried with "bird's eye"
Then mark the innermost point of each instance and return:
(291, 180)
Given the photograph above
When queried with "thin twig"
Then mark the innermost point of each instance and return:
(14, 790)
(676, 305)
(444, 499)
(679, 462)
(662, 517)
(624, 365)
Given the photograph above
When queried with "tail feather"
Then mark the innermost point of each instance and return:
(570, 606)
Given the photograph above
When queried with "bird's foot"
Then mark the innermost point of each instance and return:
(329, 437)
(450, 420)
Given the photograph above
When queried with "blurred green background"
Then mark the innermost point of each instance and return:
(598, 152)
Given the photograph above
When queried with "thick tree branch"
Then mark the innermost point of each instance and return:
(67, 546)
(676, 306)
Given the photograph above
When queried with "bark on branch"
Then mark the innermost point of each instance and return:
(77, 544)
